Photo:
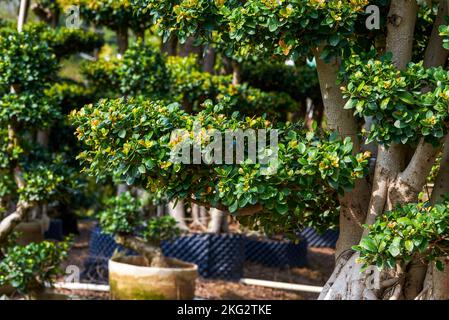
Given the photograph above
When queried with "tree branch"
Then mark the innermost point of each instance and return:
(435, 54)
(411, 181)
(401, 27)
(389, 163)
(8, 224)
(151, 253)
(248, 211)
(354, 204)
(442, 180)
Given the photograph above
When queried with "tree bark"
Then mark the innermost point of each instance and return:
(152, 254)
(436, 284)
(122, 40)
(196, 217)
(189, 48)
(441, 185)
(8, 224)
(178, 212)
(435, 54)
(353, 205)
(203, 215)
(209, 60)
(171, 46)
(218, 222)
(236, 73)
(23, 14)
(347, 282)
(160, 210)
(401, 25)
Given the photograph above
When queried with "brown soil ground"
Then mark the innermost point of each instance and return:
(321, 263)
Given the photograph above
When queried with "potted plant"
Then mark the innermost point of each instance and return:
(30, 269)
(148, 275)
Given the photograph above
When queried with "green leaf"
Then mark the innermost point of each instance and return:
(281, 208)
(272, 24)
(350, 104)
(439, 265)
(409, 245)
(149, 163)
(334, 40)
(384, 103)
(394, 250)
(122, 133)
(142, 169)
(368, 244)
(404, 221)
(406, 97)
(301, 147)
(233, 207)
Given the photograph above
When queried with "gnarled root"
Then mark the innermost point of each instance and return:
(348, 282)
(436, 284)
(153, 255)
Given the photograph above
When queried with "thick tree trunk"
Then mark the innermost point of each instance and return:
(436, 284)
(160, 210)
(353, 205)
(140, 35)
(122, 40)
(178, 212)
(392, 184)
(122, 188)
(197, 218)
(171, 46)
(43, 137)
(236, 73)
(435, 54)
(209, 61)
(401, 25)
(218, 222)
(23, 14)
(203, 215)
(189, 48)
(151, 253)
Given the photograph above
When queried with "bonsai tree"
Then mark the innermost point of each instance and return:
(144, 71)
(118, 15)
(31, 174)
(299, 81)
(395, 100)
(24, 107)
(123, 218)
(142, 156)
(29, 269)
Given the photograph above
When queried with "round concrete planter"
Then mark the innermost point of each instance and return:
(130, 280)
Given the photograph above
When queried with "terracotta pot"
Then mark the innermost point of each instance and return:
(129, 279)
(30, 232)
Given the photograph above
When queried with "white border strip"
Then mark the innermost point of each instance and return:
(281, 285)
(82, 286)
